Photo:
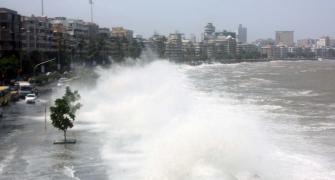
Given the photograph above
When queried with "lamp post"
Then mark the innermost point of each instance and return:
(46, 104)
(45, 116)
(91, 4)
(44, 62)
(42, 3)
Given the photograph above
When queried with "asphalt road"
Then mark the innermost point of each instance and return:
(27, 150)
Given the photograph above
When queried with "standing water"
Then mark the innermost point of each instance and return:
(272, 120)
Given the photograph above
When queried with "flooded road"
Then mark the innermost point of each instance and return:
(164, 121)
(27, 150)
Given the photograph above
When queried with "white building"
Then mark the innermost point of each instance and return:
(323, 42)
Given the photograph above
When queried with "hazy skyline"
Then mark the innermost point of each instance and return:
(308, 18)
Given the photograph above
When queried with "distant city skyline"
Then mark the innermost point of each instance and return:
(307, 18)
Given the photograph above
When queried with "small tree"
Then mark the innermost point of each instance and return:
(63, 113)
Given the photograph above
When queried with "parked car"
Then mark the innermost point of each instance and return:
(31, 98)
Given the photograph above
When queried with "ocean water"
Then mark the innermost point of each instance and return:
(268, 120)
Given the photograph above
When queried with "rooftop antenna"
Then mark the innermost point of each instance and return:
(42, 4)
(91, 3)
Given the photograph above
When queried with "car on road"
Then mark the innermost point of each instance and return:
(24, 88)
(62, 81)
(31, 98)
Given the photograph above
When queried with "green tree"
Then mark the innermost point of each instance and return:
(9, 67)
(63, 113)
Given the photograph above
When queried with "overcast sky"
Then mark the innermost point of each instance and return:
(308, 18)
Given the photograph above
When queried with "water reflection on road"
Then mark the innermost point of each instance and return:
(27, 150)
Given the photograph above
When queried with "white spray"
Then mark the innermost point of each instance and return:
(156, 126)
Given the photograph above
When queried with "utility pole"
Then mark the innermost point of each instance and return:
(91, 3)
(45, 116)
(44, 62)
(42, 7)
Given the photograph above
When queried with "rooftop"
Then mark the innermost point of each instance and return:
(5, 10)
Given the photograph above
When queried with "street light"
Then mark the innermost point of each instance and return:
(44, 62)
(46, 103)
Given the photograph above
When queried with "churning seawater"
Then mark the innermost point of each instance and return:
(162, 121)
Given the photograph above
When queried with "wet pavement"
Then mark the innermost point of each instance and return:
(27, 150)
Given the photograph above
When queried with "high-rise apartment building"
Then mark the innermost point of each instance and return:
(120, 32)
(209, 31)
(93, 30)
(306, 43)
(246, 48)
(10, 30)
(220, 47)
(285, 37)
(77, 28)
(174, 47)
(157, 44)
(323, 42)
(37, 34)
(242, 36)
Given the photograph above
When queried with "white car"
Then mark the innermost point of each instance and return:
(31, 98)
(62, 81)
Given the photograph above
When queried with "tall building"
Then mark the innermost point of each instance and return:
(306, 43)
(242, 34)
(71, 32)
(332, 42)
(193, 38)
(77, 28)
(200, 50)
(323, 42)
(37, 34)
(104, 32)
(263, 42)
(188, 49)
(246, 48)
(70, 36)
(280, 51)
(157, 44)
(221, 47)
(285, 37)
(268, 51)
(174, 47)
(9, 31)
(275, 52)
(120, 32)
(209, 31)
